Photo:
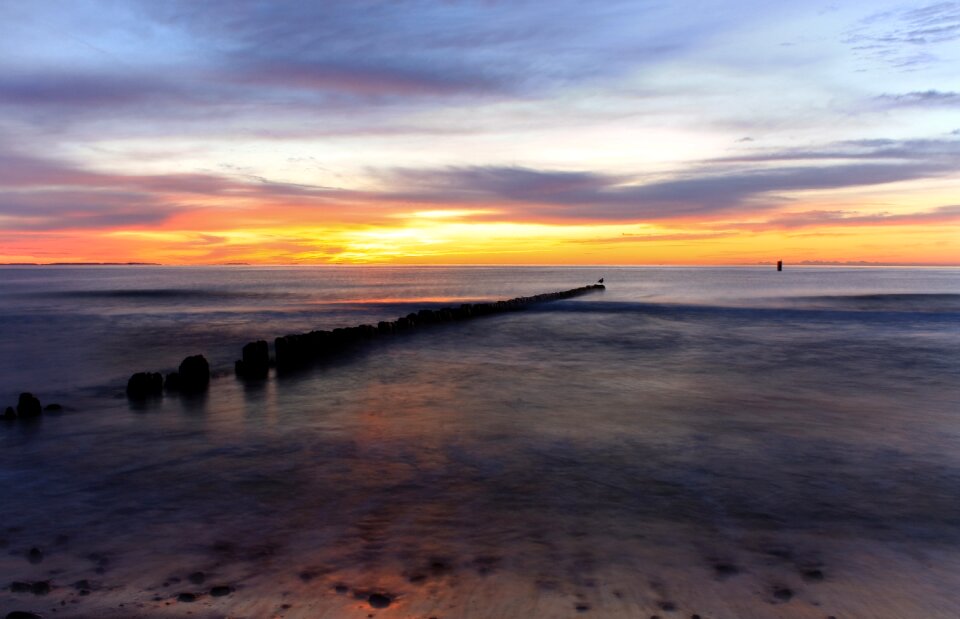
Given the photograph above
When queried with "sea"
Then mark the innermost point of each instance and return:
(714, 442)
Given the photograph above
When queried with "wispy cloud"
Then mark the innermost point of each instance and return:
(923, 98)
(907, 38)
(839, 218)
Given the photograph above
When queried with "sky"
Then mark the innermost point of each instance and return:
(479, 132)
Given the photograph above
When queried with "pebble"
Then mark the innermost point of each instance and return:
(187, 597)
(221, 590)
(23, 614)
(783, 593)
(813, 575)
(378, 600)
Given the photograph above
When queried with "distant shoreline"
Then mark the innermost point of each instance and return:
(801, 264)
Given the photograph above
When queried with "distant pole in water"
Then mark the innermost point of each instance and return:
(779, 265)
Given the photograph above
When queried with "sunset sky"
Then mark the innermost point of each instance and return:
(700, 132)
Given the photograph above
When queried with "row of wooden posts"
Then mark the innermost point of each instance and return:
(298, 350)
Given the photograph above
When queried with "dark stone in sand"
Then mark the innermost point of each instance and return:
(53, 408)
(9, 413)
(97, 558)
(19, 586)
(341, 589)
(667, 606)
(187, 597)
(378, 600)
(143, 385)
(28, 406)
(221, 590)
(582, 608)
(23, 614)
(41, 587)
(35, 555)
(194, 374)
(726, 570)
(783, 593)
(813, 575)
(197, 578)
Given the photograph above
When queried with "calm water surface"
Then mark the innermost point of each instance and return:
(732, 442)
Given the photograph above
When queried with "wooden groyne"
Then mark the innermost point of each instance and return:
(298, 350)
(301, 349)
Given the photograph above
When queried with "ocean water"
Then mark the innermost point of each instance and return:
(728, 442)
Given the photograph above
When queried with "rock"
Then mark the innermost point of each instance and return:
(53, 408)
(725, 570)
(9, 414)
(23, 614)
(379, 600)
(19, 586)
(256, 360)
(28, 406)
(194, 374)
(221, 590)
(783, 593)
(41, 587)
(143, 385)
(172, 383)
(197, 578)
(187, 597)
(813, 575)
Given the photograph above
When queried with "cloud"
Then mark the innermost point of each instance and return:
(529, 194)
(941, 215)
(74, 90)
(78, 209)
(923, 98)
(39, 193)
(933, 152)
(907, 38)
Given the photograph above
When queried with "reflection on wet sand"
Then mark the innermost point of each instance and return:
(570, 462)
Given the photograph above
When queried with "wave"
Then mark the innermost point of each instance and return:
(836, 305)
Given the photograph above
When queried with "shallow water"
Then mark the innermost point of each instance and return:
(701, 439)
